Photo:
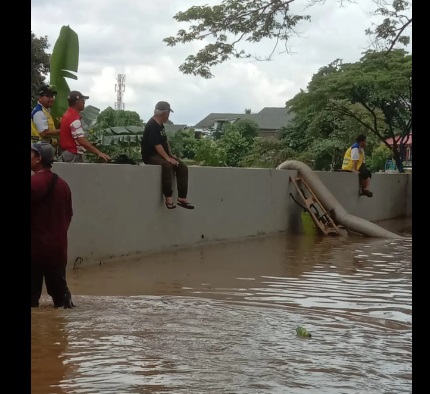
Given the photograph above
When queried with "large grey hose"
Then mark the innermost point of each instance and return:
(330, 203)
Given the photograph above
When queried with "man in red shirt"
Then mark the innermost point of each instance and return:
(73, 142)
(51, 214)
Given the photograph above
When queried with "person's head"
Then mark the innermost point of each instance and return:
(162, 111)
(77, 100)
(361, 140)
(46, 95)
(42, 155)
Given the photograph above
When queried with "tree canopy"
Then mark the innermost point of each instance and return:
(234, 22)
(40, 62)
(372, 96)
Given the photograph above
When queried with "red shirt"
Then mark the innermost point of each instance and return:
(50, 219)
(67, 141)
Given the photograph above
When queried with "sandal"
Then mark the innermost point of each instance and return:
(170, 205)
(185, 205)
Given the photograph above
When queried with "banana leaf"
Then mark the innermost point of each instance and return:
(89, 117)
(121, 135)
(64, 62)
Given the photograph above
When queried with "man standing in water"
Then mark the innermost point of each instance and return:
(51, 214)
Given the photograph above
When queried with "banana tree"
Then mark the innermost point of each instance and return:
(64, 63)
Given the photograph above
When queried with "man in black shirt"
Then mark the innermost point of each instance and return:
(155, 149)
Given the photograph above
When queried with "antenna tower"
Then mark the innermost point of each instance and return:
(120, 89)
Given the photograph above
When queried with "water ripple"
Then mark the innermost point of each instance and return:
(235, 332)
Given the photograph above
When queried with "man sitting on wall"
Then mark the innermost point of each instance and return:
(354, 161)
(156, 150)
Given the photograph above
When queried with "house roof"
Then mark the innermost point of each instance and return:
(208, 122)
(269, 118)
(173, 128)
(407, 141)
(273, 118)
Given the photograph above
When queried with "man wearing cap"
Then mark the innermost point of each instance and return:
(155, 149)
(51, 214)
(42, 123)
(73, 142)
(354, 161)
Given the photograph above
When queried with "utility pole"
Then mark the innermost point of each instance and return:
(120, 89)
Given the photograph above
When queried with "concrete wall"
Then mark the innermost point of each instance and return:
(119, 210)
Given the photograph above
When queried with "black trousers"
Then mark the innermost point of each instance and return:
(55, 281)
(364, 172)
(167, 170)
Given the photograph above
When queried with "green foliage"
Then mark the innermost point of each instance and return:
(267, 153)
(40, 62)
(64, 63)
(235, 146)
(372, 96)
(210, 153)
(248, 129)
(113, 118)
(184, 144)
(234, 22)
(379, 157)
(392, 30)
(119, 132)
(229, 23)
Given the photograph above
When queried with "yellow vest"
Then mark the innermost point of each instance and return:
(347, 162)
(35, 135)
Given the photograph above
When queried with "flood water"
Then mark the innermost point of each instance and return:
(222, 319)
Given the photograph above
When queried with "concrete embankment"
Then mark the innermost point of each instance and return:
(119, 209)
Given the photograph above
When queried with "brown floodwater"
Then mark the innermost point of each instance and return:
(221, 318)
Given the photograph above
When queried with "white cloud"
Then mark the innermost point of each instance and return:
(126, 37)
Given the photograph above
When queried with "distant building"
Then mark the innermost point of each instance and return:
(173, 128)
(405, 147)
(270, 121)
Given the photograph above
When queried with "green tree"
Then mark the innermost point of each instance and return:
(235, 145)
(40, 61)
(375, 92)
(210, 153)
(248, 129)
(119, 132)
(184, 144)
(267, 153)
(379, 157)
(393, 29)
(234, 22)
(110, 117)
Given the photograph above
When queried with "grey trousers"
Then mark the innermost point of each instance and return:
(69, 157)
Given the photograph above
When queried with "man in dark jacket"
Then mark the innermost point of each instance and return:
(51, 214)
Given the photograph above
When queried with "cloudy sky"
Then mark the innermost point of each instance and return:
(125, 37)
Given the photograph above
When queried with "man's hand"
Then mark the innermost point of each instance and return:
(173, 161)
(104, 156)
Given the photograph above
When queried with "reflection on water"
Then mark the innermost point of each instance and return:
(222, 319)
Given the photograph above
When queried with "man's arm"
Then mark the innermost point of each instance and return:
(355, 155)
(41, 122)
(160, 150)
(49, 132)
(170, 151)
(90, 147)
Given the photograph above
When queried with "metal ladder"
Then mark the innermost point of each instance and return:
(322, 219)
